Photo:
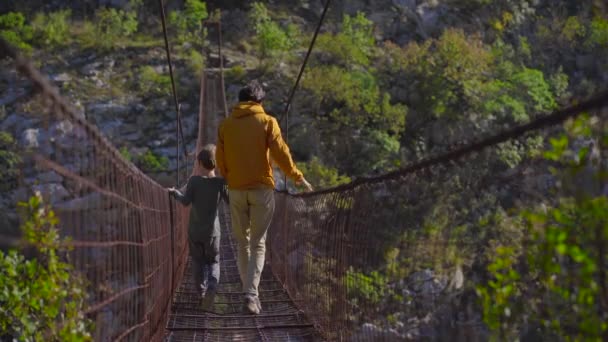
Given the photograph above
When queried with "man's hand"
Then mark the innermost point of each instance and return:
(172, 190)
(303, 182)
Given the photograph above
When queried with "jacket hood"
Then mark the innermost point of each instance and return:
(247, 108)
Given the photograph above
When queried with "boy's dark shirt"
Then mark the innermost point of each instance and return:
(205, 194)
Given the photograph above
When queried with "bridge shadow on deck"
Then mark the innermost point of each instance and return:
(280, 319)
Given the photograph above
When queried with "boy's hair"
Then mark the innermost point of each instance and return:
(253, 91)
(207, 157)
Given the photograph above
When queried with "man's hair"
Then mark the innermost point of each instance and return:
(253, 91)
(207, 157)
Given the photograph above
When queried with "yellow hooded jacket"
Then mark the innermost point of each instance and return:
(246, 142)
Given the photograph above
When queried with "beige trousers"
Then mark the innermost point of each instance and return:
(251, 212)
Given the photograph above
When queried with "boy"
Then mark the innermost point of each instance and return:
(204, 191)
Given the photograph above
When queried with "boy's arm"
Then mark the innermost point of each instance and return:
(219, 152)
(186, 198)
(279, 151)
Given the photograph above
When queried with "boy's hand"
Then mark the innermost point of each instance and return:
(303, 182)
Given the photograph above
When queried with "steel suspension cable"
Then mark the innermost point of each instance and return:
(556, 117)
(285, 114)
(180, 131)
(304, 63)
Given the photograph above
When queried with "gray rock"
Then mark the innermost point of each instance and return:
(89, 201)
(50, 177)
(410, 4)
(371, 332)
(63, 77)
(30, 138)
(432, 287)
(161, 69)
(52, 192)
(11, 95)
(457, 280)
(426, 283)
(107, 108)
(15, 123)
(64, 127)
(169, 152)
(111, 129)
(91, 69)
(132, 137)
(19, 195)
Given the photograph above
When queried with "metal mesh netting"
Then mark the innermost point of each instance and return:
(395, 257)
(399, 257)
(121, 222)
(281, 319)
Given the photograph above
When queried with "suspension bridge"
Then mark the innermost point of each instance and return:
(320, 281)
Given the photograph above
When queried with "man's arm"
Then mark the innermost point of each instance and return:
(279, 151)
(219, 152)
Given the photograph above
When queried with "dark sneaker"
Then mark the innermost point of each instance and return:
(209, 299)
(251, 305)
(203, 291)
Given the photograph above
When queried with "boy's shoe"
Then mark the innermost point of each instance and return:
(203, 291)
(251, 305)
(209, 299)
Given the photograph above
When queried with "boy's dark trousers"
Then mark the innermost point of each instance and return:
(205, 263)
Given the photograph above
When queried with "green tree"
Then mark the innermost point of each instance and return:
(111, 28)
(188, 23)
(554, 280)
(150, 162)
(53, 29)
(152, 83)
(42, 298)
(271, 41)
(9, 162)
(354, 43)
(344, 102)
(15, 31)
(321, 176)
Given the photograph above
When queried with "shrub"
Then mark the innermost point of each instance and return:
(124, 152)
(150, 162)
(196, 62)
(188, 24)
(554, 280)
(321, 176)
(366, 290)
(354, 44)
(53, 29)
(598, 32)
(151, 83)
(42, 298)
(15, 31)
(271, 41)
(110, 28)
(9, 162)
(236, 73)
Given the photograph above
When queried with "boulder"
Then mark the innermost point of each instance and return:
(110, 108)
(30, 138)
(89, 201)
(49, 177)
(61, 78)
(53, 192)
(371, 332)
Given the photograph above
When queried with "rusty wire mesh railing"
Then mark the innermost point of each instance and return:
(398, 257)
(128, 237)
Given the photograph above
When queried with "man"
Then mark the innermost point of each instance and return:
(246, 142)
